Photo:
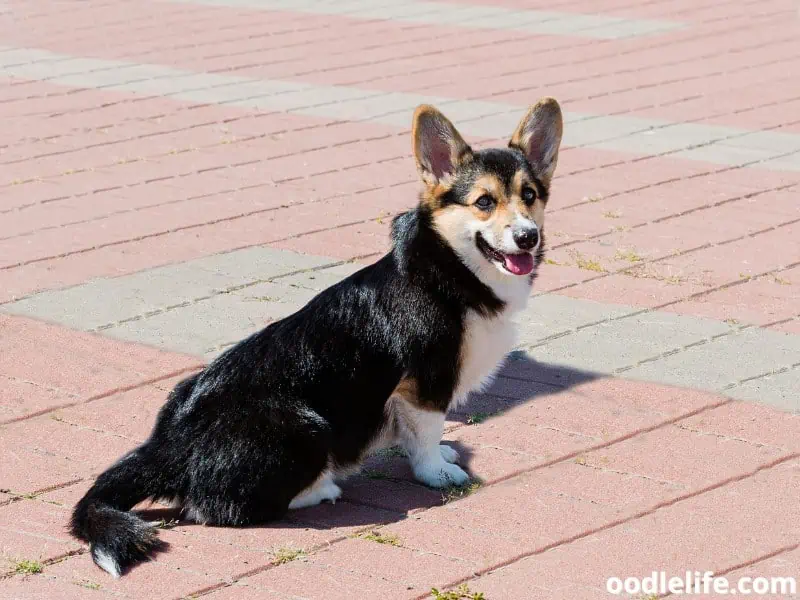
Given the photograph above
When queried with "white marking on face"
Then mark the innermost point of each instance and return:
(460, 228)
(520, 222)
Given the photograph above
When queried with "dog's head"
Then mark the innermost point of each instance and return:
(489, 205)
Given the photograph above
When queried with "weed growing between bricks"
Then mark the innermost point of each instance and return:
(28, 567)
(457, 492)
(462, 592)
(380, 538)
(286, 555)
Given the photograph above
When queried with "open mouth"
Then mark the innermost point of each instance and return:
(516, 264)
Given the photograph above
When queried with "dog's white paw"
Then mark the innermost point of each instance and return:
(325, 492)
(441, 474)
(448, 454)
(330, 493)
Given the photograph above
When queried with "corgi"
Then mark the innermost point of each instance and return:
(376, 360)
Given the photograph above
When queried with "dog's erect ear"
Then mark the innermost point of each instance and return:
(538, 136)
(438, 148)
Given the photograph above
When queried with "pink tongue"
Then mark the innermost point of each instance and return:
(519, 264)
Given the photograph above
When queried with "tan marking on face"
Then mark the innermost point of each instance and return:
(504, 215)
(509, 205)
(521, 179)
(432, 194)
(503, 212)
(450, 220)
(486, 185)
(535, 212)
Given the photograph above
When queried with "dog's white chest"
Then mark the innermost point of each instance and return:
(486, 343)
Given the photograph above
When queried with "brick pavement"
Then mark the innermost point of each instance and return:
(175, 174)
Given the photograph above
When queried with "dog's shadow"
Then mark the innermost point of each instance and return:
(385, 490)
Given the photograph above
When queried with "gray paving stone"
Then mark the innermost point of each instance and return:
(203, 306)
(654, 137)
(724, 361)
(396, 10)
(173, 84)
(624, 342)
(309, 98)
(468, 111)
(473, 16)
(370, 107)
(197, 327)
(205, 326)
(774, 141)
(57, 68)
(784, 163)
(321, 279)
(465, 16)
(722, 154)
(110, 77)
(282, 298)
(238, 92)
(260, 263)
(608, 132)
(549, 315)
(475, 118)
(781, 391)
(493, 126)
(105, 301)
(102, 302)
(12, 57)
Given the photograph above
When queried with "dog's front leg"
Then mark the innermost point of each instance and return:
(421, 433)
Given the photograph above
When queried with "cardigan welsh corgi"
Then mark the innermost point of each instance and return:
(376, 360)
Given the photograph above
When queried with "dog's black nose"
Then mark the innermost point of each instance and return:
(526, 238)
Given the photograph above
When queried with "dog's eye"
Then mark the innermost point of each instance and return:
(528, 195)
(485, 202)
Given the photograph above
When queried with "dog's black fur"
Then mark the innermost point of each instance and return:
(239, 440)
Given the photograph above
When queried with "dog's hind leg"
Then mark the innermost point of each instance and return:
(250, 468)
(322, 490)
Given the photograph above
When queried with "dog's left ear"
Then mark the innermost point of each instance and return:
(538, 136)
(438, 148)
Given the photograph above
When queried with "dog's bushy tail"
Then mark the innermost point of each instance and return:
(118, 538)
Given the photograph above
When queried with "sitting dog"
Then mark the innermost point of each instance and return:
(373, 361)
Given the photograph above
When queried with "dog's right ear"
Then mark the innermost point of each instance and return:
(438, 148)
(538, 136)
